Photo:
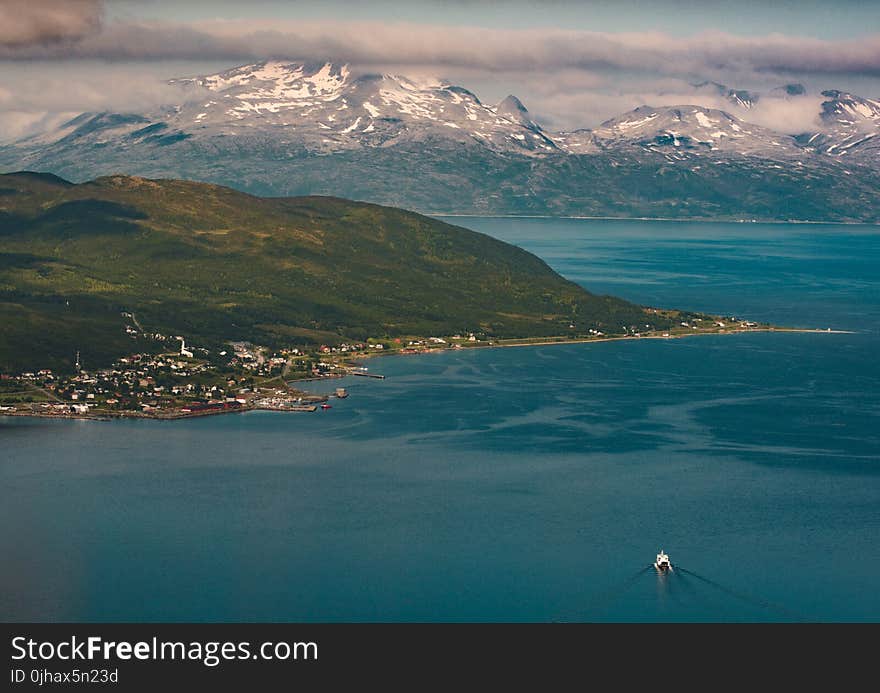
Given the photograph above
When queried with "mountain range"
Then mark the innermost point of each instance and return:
(278, 128)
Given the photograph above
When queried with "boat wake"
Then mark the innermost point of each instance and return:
(773, 607)
(681, 576)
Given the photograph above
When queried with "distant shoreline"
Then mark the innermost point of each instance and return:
(596, 340)
(676, 219)
(657, 336)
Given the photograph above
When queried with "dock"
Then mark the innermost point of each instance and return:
(361, 374)
(289, 407)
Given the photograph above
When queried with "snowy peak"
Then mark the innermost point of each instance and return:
(267, 87)
(511, 107)
(742, 98)
(850, 127)
(692, 129)
(275, 79)
(738, 97)
(841, 107)
(327, 108)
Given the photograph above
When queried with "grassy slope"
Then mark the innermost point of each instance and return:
(214, 264)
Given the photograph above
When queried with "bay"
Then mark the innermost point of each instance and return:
(514, 484)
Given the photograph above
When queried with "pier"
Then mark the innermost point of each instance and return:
(289, 407)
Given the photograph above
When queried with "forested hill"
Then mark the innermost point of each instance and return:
(215, 264)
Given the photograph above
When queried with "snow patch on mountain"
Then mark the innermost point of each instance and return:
(326, 107)
(691, 129)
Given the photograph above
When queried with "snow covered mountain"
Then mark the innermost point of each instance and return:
(850, 127)
(680, 131)
(324, 108)
(846, 125)
(282, 128)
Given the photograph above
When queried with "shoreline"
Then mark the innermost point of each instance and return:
(656, 336)
(178, 415)
(676, 219)
(587, 340)
(171, 416)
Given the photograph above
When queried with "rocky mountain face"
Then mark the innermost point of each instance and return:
(287, 128)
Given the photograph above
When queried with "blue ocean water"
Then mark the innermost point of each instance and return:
(516, 484)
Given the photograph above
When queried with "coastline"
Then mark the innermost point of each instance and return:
(695, 220)
(589, 340)
(671, 336)
(177, 415)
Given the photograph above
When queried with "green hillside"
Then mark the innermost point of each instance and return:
(215, 264)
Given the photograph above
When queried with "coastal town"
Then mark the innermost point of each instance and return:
(189, 381)
(185, 380)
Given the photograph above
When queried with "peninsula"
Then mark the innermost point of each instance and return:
(126, 296)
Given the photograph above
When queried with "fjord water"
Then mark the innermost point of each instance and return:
(515, 484)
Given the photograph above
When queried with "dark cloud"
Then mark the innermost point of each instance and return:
(459, 47)
(29, 24)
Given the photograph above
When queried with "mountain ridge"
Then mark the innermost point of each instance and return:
(281, 128)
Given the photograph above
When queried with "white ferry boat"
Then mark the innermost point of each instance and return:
(662, 563)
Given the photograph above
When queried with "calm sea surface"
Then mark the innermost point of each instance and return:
(521, 484)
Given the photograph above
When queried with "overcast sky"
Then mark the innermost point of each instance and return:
(573, 64)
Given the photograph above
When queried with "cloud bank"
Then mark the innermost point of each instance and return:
(34, 24)
(567, 78)
(38, 34)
